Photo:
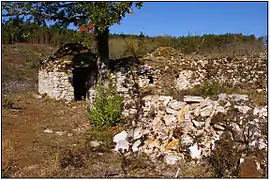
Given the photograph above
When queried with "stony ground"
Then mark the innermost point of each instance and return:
(47, 138)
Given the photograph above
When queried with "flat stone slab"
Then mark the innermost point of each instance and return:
(193, 99)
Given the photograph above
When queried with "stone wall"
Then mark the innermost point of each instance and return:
(177, 132)
(56, 85)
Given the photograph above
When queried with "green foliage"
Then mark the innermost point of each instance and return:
(211, 89)
(11, 102)
(8, 102)
(107, 107)
(101, 14)
(207, 89)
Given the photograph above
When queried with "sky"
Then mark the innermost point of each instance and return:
(196, 18)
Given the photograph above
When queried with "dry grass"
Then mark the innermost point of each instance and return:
(20, 63)
(7, 156)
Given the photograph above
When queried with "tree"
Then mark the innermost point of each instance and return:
(101, 15)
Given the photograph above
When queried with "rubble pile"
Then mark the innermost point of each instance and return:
(189, 130)
(174, 132)
(188, 71)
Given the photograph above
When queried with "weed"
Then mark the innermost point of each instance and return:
(7, 157)
(35, 65)
(107, 107)
(11, 102)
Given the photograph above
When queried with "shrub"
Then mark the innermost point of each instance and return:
(11, 102)
(211, 89)
(107, 107)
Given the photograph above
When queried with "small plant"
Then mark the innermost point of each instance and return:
(35, 65)
(107, 107)
(208, 89)
(11, 102)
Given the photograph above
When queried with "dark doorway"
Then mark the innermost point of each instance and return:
(79, 79)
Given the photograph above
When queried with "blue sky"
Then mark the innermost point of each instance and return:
(195, 18)
(183, 18)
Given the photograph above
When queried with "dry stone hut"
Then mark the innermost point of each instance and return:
(70, 73)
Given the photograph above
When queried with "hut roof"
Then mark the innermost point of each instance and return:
(69, 56)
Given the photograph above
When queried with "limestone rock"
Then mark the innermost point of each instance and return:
(239, 97)
(95, 143)
(165, 99)
(198, 124)
(169, 119)
(195, 151)
(171, 159)
(206, 112)
(135, 146)
(183, 82)
(48, 131)
(169, 111)
(243, 109)
(121, 143)
(260, 111)
(186, 140)
(173, 145)
(193, 99)
(175, 105)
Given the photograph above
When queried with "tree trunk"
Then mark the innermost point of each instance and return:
(102, 39)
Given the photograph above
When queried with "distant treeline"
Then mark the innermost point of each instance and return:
(16, 30)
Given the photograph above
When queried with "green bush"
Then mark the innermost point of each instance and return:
(208, 88)
(107, 107)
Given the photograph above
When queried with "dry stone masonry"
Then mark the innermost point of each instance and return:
(68, 74)
(179, 131)
(173, 131)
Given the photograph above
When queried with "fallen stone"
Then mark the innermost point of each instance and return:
(219, 127)
(173, 145)
(238, 133)
(193, 99)
(222, 97)
(122, 145)
(243, 109)
(171, 159)
(195, 151)
(261, 144)
(260, 111)
(48, 131)
(95, 143)
(239, 97)
(175, 105)
(186, 140)
(206, 112)
(120, 136)
(198, 124)
(135, 146)
(165, 99)
(37, 96)
(183, 82)
(182, 113)
(170, 111)
(60, 133)
(169, 119)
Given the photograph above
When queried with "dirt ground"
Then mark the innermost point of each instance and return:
(28, 151)
(24, 142)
